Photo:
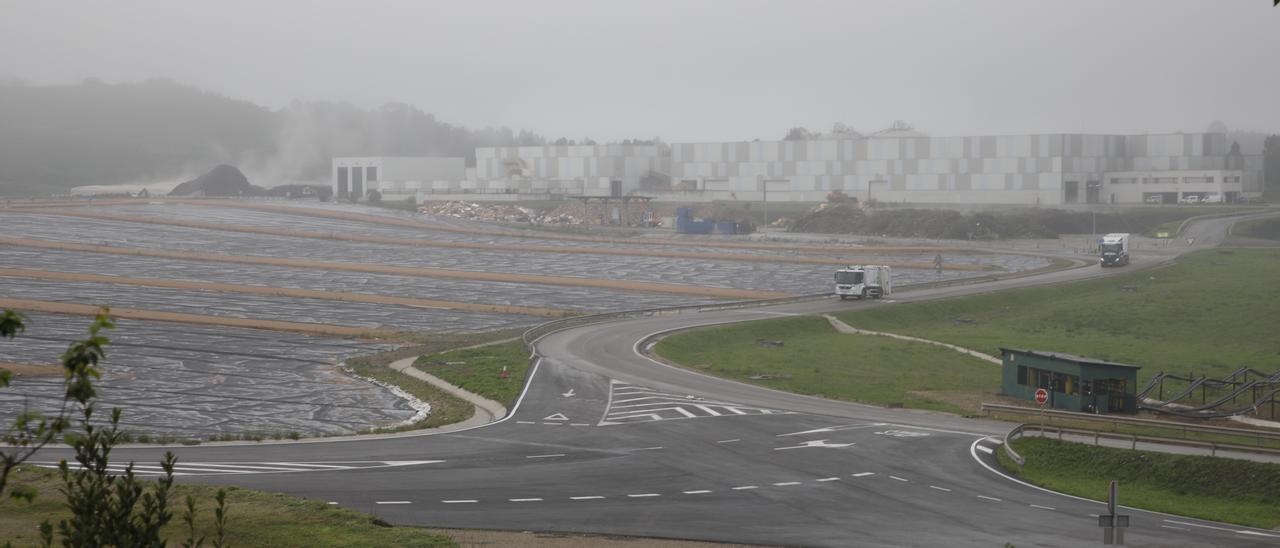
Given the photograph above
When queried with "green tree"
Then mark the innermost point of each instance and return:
(106, 509)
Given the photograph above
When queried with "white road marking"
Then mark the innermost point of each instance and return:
(1237, 531)
(698, 492)
(643, 495)
(553, 423)
(863, 474)
(333, 502)
(814, 443)
(535, 499)
(994, 440)
(786, 483)
(745, 487)
(899, 479)
(655, 448)
(1246, 532)
(464, 501)
(985, 449)
(989, 498)
(827, 479)
(1175, 528)
(555, 417)
(592, 497)
(729, 441)
(393, 502)
(1043, 507)
(568, 394)
(525, 422)
(773, 313)
(943, 489)
(544, 456)
(579, 424)
(831, 429)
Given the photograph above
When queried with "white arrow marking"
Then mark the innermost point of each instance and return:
(814, 443)
(831, 429)
(556, 417)
(568, 394)
(409, 462)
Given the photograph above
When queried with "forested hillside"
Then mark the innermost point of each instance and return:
(53, 138)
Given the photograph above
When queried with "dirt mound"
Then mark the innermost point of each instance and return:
(223, 180)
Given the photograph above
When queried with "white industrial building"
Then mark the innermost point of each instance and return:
(900, 167)
(394, 176)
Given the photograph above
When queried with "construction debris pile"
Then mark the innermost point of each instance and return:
(482, 212)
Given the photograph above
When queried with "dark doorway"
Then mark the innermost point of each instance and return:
(1071, 191)
(1093, 192)
(342, 182)
(615, 189)
(357, 182)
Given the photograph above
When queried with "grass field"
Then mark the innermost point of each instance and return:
(254, 518)
(817, 360)
(478, 370)
(1219, 489)
(1210, 313)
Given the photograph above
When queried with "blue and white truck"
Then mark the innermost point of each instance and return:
(1114, 249)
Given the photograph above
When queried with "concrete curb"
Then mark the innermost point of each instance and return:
(487, 410)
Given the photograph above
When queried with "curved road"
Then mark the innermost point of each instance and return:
(607, 440)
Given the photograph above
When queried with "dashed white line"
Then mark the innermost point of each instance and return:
(463, 501)
(943, 489)
(985, 449)
(863, 474)
(579, 424)
(525, 422)
(554, 423)
(526, 500)
(826, 479)
(899, 479)
(989, 498)
(644, 495)
(786, 483)
(729, 441)
(1043, 507)
(592, 497)
(1175, 528)
(745, 487)
(392, 502)
(544, 456)
(648, 448)
(333, 502)
(698, 492)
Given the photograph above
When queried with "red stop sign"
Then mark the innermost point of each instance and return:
(1042, 396)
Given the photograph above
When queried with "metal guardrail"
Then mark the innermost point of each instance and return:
(1213, 446)
(1258, 436)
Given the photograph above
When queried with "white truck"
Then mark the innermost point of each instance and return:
(862, 281)
(1114, 249)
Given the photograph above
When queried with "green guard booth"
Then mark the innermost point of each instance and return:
(1074, 383)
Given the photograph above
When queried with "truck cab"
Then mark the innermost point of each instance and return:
(1114, 250)
(863, 281)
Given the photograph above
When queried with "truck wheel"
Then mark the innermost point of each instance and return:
(844, 297)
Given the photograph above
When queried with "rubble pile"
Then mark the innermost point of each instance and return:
(481, 212)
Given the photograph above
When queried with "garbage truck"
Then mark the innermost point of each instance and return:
(863, 281)
(1114, 249)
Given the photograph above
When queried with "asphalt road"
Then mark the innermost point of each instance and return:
(606, 440)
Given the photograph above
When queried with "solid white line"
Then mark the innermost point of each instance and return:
(544, 456)
(464, 501)
(643, 495)
(526, 500)
(1199, 525)
(579, 424)
(393, 502)
(985, 449)
(989, 498)
(730, 441)
(648, 448)
(593, 497)
(899, 479)
(1043, 507)
(786, 483)
(1175, 528)
(744, 487)
(944, 489)
(553, 423)
(828, 479)
(863, 474)
(525, 422)
(698, 492)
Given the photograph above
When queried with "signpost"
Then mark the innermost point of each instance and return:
(1042, 396)
(1113, 525)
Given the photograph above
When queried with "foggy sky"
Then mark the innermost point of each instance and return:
(690, 70)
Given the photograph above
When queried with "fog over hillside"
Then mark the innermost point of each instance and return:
(53, 138)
